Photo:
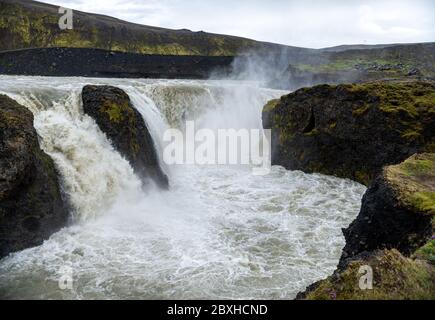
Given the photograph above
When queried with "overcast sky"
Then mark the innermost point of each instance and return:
(306, 23)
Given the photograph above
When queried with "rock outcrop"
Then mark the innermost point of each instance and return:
(124, 126)
(393, 236)
(352, 131)
(397, 209)
(31, 205)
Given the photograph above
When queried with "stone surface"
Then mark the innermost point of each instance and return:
(31, 205)
(397, 210)
(124, 126)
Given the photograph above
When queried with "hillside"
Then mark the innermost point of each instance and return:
(31, 43)
(371, 63)
(30, 24)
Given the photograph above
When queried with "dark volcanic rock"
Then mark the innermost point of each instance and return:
(108, 64)
(351, 131)
(396, 210)
(31, 206)
(124, 126)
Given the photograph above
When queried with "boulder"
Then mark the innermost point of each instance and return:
(114, 113)
(31, 205)
(352, 131)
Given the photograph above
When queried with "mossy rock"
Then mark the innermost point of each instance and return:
(352, 131)
(31, 203)
(124, 126)
(414, 182)
(427, 252)
(397, 210)
(395, 277)
(393, 235)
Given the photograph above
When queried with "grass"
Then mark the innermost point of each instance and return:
(394, 278)
(410, 180)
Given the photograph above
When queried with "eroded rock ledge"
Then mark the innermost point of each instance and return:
(124, 126)
(31, 205)
(351, 131)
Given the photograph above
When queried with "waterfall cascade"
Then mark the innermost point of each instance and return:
(219, 233)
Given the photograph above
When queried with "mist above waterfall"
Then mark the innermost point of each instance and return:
(219, 232)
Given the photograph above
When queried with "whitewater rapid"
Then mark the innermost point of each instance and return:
(218, 233)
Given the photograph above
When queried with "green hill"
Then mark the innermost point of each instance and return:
(30, 24)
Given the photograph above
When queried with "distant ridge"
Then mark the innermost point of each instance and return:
(366, 46)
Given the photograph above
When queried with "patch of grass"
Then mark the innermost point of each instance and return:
(411, 181)
(427, 252)
(423, 201)
(395, 278)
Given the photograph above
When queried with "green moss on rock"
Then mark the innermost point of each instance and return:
(352, 130)
(114, 111)
(413, 181)
(270, 105)
(35, 25)
(427, 252)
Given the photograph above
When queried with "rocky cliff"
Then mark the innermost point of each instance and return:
(393, 236)
(381, 134)
(31, 205)
(351, 131)
(397, 209)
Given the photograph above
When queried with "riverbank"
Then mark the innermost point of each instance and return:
(80, 62)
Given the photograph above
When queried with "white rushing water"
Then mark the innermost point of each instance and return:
(218, 233)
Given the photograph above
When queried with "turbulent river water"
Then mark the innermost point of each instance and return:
(220, 232)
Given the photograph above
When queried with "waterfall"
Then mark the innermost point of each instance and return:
(93, 174)
(219, 232)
